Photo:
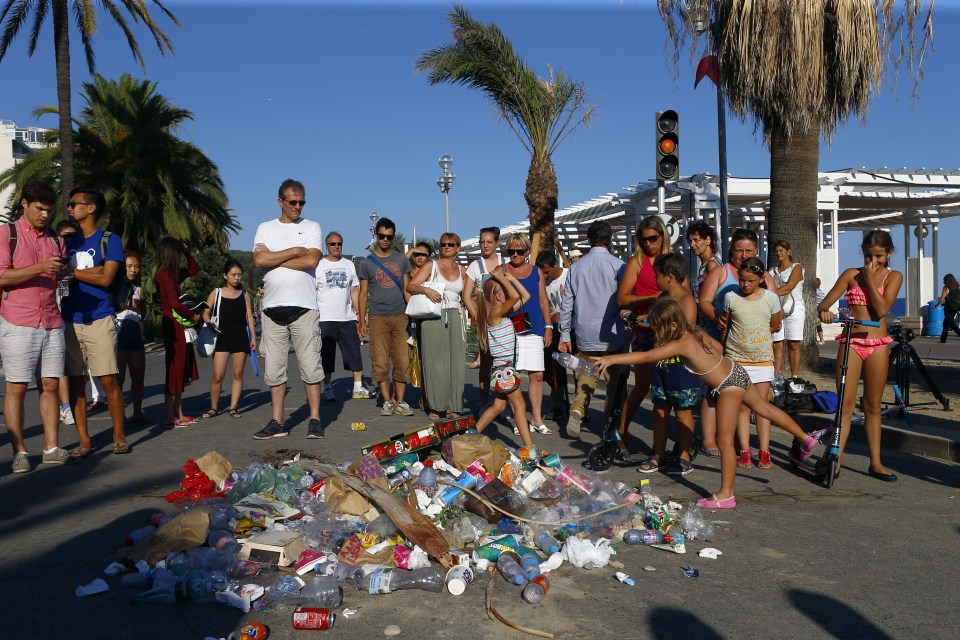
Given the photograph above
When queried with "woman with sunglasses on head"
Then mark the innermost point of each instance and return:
(788, 276)
(419, 255)
(443, 345)
(717, 284)
(531, 321)
(638, 291)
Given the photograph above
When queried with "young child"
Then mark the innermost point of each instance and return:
(701, 355)
(672, 385)
(752, 314)
(130, 348)
(870, 294)
(501, 294)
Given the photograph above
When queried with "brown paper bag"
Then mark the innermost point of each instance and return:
(215, 466)
(345, 500)
(461, 451)
(185, 531)
(352, 552)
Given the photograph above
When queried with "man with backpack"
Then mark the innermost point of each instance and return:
(89, 314)
(32, 256)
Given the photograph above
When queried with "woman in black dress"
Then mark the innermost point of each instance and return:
(230, 305)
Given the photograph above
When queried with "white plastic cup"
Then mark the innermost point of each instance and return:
(458, 578)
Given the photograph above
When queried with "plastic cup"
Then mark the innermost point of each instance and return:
(458, 578)
(552, 461)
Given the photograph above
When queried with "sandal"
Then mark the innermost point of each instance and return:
(121, 448)
(650, 465)
(544, 429)
(81, 452)
(209, 413)
(680, 467)
(233, 413)
(433, 416)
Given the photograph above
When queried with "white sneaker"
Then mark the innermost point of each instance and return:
(402, 409)
(328, 393)
(362, 394)
(66, 416)
(387, 409)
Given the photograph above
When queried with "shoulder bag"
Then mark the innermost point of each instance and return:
(420, 307)
(786, 300)
(207, 336)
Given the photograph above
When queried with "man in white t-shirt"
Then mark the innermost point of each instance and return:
(478, 272)
(289, 248)
(555, 277)
(338, 298)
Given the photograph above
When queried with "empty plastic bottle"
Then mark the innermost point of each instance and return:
(222, 541)
(547, 543)
(536, 589)
(192, 589)
(509, 565)
(633, 536)
(390, 580)
(506, 525)
(341, 572)
(575, 364)
(135, 537)
(427, 480)
(779, 385)
(321, 591)
(530, 564)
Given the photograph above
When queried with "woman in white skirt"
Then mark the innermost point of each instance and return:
(788, 276)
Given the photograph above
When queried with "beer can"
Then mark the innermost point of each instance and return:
(313, 618)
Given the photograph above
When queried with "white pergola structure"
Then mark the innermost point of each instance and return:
(847, 200)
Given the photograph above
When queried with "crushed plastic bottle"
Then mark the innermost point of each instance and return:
(390, 580)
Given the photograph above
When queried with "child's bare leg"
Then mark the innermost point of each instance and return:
(491, 412)
(684, 431)
(743, 428)
(515, 398)
(728, 410)
(661, 426)
(758, 403)
(763, 424)
(854, 367)
(708, 424)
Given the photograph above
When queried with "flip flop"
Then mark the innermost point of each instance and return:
(121, 448)
(81, 452)
(710, 453)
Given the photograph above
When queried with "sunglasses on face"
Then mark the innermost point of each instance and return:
(516, 252)
(335, 244)
(649, 239)
(417, 254)
(448, 244)
(74, 203)
(294, 203)
(385, 236)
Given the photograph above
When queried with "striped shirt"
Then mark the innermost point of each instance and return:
(502, 343)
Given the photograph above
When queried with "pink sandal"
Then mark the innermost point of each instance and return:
(713, 503)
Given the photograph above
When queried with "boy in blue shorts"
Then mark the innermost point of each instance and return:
(672, 385)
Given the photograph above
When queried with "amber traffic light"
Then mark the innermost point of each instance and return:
(668, 145)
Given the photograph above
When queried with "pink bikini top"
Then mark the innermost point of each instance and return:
(857, 296)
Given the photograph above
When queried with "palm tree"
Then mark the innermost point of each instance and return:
(799, 69)
(155, 183)
(15, 14)
(542, 112)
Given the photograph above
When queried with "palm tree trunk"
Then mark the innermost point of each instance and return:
(541, 197)
(794, 163)
(61, 36)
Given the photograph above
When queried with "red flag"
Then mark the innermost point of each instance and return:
(709, 66)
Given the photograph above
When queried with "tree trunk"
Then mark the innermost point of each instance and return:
(61, 36)
(541, 197)
(793, 216)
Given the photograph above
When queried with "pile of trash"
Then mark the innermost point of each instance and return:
(312, 536)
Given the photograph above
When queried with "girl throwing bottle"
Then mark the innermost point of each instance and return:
(870, 292)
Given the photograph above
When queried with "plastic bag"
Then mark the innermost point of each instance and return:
(194, 486)
(587, 554)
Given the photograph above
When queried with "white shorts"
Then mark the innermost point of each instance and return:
(27, 351)
(530, 352)
(759, 374)
(792, 328)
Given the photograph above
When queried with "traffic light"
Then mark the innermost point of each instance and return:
(668, 145)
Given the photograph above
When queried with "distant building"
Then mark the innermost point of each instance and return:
(16, 143)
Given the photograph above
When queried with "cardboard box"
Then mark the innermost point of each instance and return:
(425, 437)
(279, 548)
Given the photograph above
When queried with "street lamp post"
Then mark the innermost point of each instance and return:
(373, 226)
(445, 182)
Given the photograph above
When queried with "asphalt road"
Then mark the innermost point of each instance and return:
(865, 559)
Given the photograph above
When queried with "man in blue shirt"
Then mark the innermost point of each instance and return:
(88, 314)
(589, 310)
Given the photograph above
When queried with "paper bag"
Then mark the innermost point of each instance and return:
(215, 466)
(341, 498)
(461, 451)
(352, 552)
(185, 531)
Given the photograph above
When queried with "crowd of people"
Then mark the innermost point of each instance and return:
(711, 339)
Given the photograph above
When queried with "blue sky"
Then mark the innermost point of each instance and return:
(326, 93)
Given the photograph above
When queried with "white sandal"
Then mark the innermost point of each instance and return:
(544, 429)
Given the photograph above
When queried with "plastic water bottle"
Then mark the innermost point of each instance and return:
(779, 385)
(530, 564)
(390, 580)
(427, 480)
(506, 525)
(192, 589)
(547, 543)
(223, 541)
(342, 572)
(322, 591)
(536, 589)
(509, 568)
(575, 364)
(135, 537)
(633, 536)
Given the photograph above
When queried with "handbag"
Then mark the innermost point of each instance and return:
(420, 307)
(787, 303)
(521, 323)
(505, 378)
(207, 336)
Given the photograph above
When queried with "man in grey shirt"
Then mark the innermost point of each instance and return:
(589, 310)
(385, 274)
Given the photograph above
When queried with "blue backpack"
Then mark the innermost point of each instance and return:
(825, 401)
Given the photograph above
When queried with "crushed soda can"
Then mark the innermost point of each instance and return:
(358, 426)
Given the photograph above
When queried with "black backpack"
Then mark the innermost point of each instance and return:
(120, 289)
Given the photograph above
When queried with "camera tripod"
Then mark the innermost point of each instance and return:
(900, 356)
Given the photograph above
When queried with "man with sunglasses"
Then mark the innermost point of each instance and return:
(338, 298)
(289, 248)
(384, 276)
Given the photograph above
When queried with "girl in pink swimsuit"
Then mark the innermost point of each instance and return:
(870, 293)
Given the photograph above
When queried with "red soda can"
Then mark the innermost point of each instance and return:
(313, 618)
